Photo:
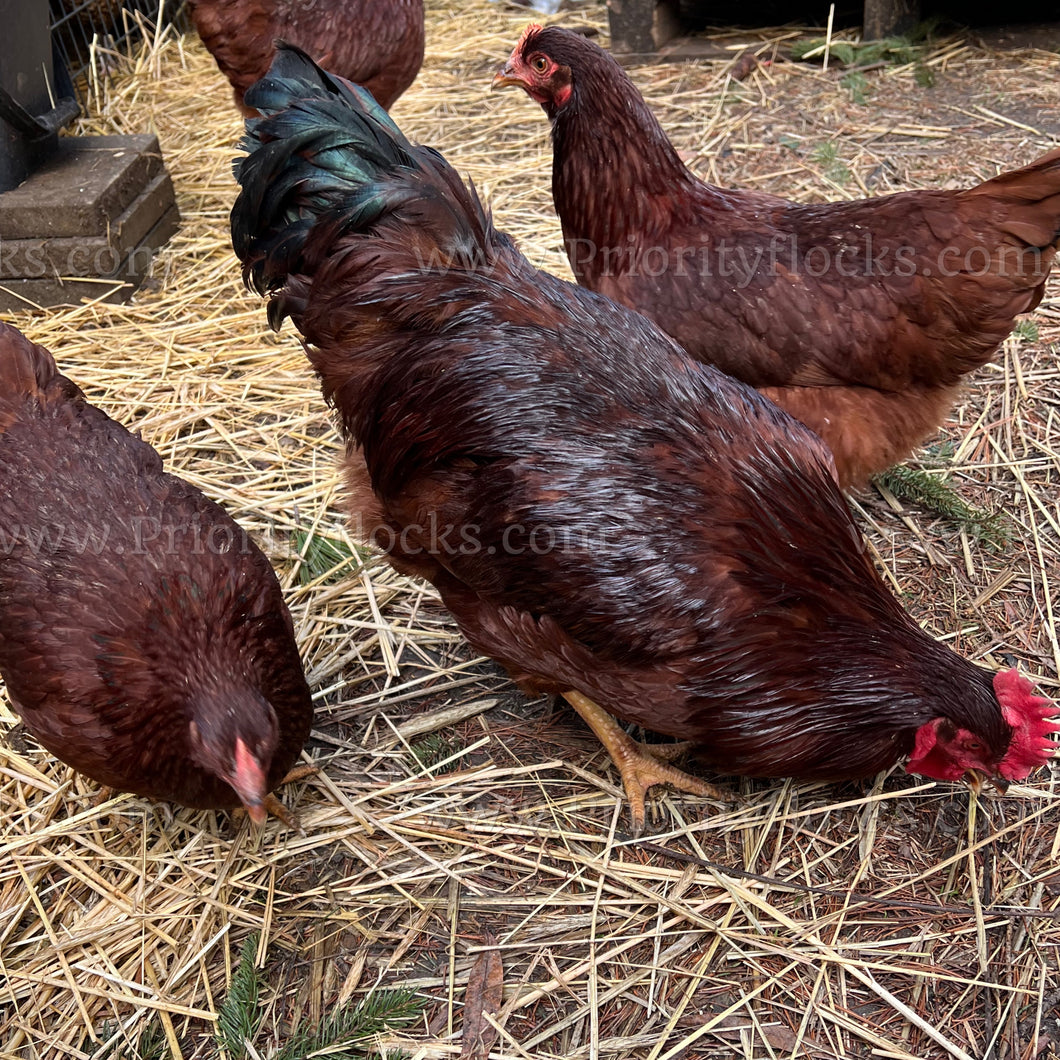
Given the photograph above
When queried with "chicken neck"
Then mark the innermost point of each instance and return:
(617, 182)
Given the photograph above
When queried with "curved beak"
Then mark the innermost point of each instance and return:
(975, 782)
(256, 812)
(505, 76)
(249, 782)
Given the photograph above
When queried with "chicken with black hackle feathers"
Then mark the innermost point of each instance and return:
(144, 638)
(608, 518)
(859, 318)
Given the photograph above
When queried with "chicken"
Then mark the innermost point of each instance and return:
(377, 43)
(143, 636)
(859, 318)
(608, 518)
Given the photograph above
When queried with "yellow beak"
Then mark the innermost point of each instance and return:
(504, 77)
(257, 812)
(975, 782)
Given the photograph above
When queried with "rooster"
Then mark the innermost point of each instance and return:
(859, 318)
(377, 43)
(143, 636)
(610, 519)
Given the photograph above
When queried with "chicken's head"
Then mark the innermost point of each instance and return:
(234, 736)
(944, 751)
(537, 66)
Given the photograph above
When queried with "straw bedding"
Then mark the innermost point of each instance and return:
(895, 919)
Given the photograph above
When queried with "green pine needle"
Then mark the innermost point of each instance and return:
(843, 52)
(1026, 330)
(325, 557)
(923, 75)
(343, 1034)
(937, 495)
(827, 156)
(239, 1016)
(893, 51)
(151, 1045)
(937, 456)
(431, 750)
(856, 83)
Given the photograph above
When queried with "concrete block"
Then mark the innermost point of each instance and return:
(81, 188)
(119, 285)
(87, 224)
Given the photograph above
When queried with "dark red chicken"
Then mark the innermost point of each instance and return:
(143, 637)
(607, 517)
(377, 43)
(859, 318)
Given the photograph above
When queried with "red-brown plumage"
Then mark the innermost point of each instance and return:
(599, 511)
(143, 636)
(376, 43)
(859, 318)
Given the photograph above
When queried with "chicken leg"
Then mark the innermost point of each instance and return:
(638, 763)
(272, 807)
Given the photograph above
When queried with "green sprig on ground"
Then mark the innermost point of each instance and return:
(239, 1016)
(934, 493)
(344, 1034)
(325, 557)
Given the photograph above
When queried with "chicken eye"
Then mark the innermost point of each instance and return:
(539, 63)
(975, 745)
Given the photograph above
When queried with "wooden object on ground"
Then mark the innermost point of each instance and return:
(888, 18)
(648, 30)
(86, 224)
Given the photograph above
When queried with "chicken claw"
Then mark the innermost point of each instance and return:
(270, 806)
(273, 806)
(299, 773)
(638, 763)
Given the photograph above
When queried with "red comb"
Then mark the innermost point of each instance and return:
(530, 30)
(1031, 718)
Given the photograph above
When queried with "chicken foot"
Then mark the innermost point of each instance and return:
(299, 773)
(640, 765)
(272, 807)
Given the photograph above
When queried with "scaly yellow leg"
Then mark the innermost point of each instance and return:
(638, 763)
(299, 773)
(275, 808)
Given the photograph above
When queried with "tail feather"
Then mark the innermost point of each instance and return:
(25, 368)
(28, 371)
(33, 392)
(1031, 198)
(1034, 182)
(327, 161)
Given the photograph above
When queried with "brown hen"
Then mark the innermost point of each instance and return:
(604, 515)
(377, 43)
(144, 638)
(859, 318)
